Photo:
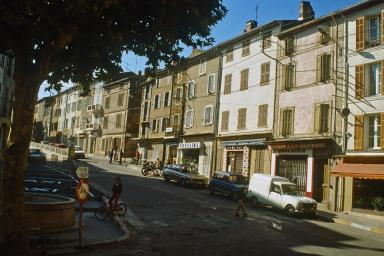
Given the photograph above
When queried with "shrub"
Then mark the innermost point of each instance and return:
(378, 203)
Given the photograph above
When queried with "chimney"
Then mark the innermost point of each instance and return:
(306, 11)
(249, 25)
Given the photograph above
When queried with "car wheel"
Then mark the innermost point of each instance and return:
(183, 182)
(254, 202)
(290, 210)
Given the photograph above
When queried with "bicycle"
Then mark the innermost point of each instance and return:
(104, 211)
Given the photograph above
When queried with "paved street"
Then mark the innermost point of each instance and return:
(185, 221)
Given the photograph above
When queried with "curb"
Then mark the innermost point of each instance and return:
(342, 221)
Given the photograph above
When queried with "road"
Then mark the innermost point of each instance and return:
(185, 221)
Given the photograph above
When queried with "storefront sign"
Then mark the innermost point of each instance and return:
(298, 146)
(169, 129)
(234, 148)
(190, 145)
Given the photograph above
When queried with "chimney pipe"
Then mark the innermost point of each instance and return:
(250, 25)
(306, 11)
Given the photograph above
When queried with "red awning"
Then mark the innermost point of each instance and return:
(362, 171)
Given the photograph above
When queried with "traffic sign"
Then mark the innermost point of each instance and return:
(82, 190)
(82, 172)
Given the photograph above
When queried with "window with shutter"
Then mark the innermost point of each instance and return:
(105, 125)
(374, 31)
(224, 120)
(324, 119)
(289, 76)
(374, 81)
(246, 48)
(359, 132)
(382, 27)
(189, 118)
(120, 100)
(325, 35)
(118, 121)
(241, 118)
(202, 67)
(244, 79)
(263, 116)
(211, 84)
(178, 94)
(382, 78)
(264, 77)
(208, 115)
(227, 84)
(289, 45)
(360, 34)
(191, 90)
(267, 41)
(156, 104)
(325, 67)
(166, 99)
(229, 55)
(359, 84)
(287, 122)
(176, 123)
(107, 102)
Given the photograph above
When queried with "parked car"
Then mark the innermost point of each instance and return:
(279, 193)
(228, 183)
(36, 156)
(184, 175)
(79, 153)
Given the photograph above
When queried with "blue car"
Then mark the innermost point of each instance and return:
(227, 183)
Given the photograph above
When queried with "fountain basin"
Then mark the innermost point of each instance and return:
(49, 213)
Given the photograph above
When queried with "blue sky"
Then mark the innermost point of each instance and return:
(240, 11)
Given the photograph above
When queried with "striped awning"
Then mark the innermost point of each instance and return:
(251, 142)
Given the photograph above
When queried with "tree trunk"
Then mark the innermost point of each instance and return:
(13, 233)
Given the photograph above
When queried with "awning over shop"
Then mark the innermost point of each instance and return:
(362, 171)
(252, 142)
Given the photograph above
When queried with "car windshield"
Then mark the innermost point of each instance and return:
(78, 148)
(188, 169)
(34, 151)
(237, 179)
(290, 189)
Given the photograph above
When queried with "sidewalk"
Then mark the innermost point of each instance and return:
(124, 164)
(367, 222)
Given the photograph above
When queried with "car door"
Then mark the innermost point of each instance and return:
(274, 197)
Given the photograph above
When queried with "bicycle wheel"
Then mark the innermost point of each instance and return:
(121, 209)
(101, 213)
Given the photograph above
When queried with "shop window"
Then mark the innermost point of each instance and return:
(227, 83)
(295, 170)
(365, 192)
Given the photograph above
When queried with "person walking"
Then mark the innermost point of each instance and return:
(117, 189)
(240, 203)
(110, 156)
(121, 154)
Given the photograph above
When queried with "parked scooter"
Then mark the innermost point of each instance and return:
(151, 168)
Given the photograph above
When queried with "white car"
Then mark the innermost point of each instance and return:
(79, 153)
(279, 193)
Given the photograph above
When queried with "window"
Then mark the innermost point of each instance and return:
(156, 105)
(189, 116)
(244, 79)
(208, 115)
(105, 125)
(267, 41)
(224, 120)
(202, 67)
(262, 120)
(374, 31)
(374, 79)
(241, 118)
(246, 48)
(157, 82)
(118, 121)
(325, 35)
(288, 76)
(264, 77)
(120, 99)
(227, 83)
(287, 122)
(164, 124)
(191, 90)
(107, 102)
(178, 94)
(77, 122)
(73, 122)
(169, 80)
(167, 101)
(176, 121)
(211, 84)
(322, 118)
(68, 108)
(374, 131)
(229, 55)
(145, 111)
(147, 92)
(179, 77)
(289, 43)
(73, 106)
(154, 125)
(324, 67)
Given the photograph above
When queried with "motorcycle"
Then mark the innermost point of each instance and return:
(151, 168)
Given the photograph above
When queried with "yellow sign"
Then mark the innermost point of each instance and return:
(82, 172)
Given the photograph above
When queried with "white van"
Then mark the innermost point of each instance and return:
(279, 193)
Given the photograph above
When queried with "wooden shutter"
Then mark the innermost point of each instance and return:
(382, 131)
(317, 117)
(263, 116)
(241, 118)
(264, 77)
(382, 76)
(359, 132)
(382, 27)
(359, 84)
(227, 83)
(318, 68)
(360, 33)
(224, 120)
(244, 79)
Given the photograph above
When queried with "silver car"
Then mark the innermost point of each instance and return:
(184, 175)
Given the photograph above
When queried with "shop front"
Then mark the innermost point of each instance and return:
(302, 163)
(170, 153)
(197, 154)
(359, 184)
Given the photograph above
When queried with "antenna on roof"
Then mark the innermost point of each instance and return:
(257, 10)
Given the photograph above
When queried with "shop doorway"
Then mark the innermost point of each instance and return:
(191, 157)
(172, 155)
(295, 169)
(235, 161)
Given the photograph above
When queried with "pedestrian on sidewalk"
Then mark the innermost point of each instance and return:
(121, 154)
(240, 203)
(116, 193)
(110, 156)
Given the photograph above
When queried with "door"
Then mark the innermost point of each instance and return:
(274, 197)
(295, 169)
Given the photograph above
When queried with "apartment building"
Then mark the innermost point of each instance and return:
(38, 121)
(247, 99)
(358, 176)
(6, 96)
(121, 115)
(308, 101)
